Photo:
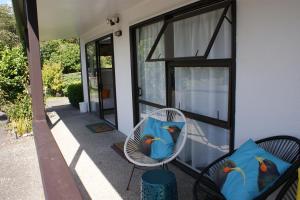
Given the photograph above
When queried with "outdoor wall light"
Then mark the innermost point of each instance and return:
(112, 21)
(118, 33)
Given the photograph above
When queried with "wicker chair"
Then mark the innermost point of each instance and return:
(131, 146)
(289, 190)
(285, 147)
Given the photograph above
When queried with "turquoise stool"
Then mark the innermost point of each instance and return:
(159, 184)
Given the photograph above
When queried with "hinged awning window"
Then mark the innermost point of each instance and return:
(204, 34)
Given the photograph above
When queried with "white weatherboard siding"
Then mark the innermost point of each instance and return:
(268, 69)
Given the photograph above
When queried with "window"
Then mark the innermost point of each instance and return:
(186, 59)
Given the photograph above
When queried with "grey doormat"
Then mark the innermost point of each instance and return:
(100, 127)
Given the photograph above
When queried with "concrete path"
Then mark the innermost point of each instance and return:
(19, 171)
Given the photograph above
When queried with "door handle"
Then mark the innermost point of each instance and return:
(140, 92)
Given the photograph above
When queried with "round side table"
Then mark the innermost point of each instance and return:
(159, 184)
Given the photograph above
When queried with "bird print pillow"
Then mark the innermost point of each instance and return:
(159, 138)
(248, 172)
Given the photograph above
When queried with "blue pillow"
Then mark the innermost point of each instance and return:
(249, 172)
(159, 137)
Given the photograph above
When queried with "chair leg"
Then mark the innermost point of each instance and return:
(165, 166)
(130, 177)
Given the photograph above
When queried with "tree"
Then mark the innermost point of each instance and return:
(8, 31)
(48, 49)
(70, 57)
(64, 52)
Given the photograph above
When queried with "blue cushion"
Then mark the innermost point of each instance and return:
(249, 172)
(162, 136)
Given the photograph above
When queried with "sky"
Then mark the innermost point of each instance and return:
(5, 2)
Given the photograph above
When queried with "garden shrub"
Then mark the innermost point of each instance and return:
(69, 79)
(52, 79)
(14, 76)
(20, 114)
(75, 94)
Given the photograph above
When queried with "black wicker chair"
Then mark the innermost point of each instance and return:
(285, 147)
(289, 190)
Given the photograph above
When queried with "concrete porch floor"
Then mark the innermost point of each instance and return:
(100, 172)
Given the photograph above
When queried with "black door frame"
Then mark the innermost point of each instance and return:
(98, 68)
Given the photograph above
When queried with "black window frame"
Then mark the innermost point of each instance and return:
(222, 5)
(182, 13)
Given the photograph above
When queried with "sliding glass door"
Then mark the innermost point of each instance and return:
(107, 79)
(186, 59)
(93, 75)
(101, 79)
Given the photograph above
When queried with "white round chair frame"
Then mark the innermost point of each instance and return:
(162, 163)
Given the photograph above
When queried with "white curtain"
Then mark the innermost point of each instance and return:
(202, 90)
(151, 74)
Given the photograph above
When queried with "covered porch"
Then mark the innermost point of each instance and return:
(241, 85)
(99, 171)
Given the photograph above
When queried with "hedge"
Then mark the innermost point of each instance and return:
(75, 94)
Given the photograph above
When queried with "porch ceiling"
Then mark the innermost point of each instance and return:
(69, 18)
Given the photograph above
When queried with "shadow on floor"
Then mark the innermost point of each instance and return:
(100, 172)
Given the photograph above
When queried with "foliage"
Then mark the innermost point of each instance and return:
(69, 79)
(65, 52)
(3, 101)
(75, 94)
(7, 21)
(20, 114)
(106, 61)
(52, 78)
(8, 32)
(49, 49)
(14, 76)
(8, 39)
(70, 58)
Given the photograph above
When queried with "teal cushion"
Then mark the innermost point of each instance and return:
(249, 172)
(159, 137)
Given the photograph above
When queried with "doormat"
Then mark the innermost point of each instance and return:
(101, 127)
(119, 148)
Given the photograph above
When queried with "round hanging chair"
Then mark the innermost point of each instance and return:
(132, 148)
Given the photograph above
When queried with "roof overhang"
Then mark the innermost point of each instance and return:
(60, 19)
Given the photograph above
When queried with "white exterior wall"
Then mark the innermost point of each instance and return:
(84, 73)
(268, 71)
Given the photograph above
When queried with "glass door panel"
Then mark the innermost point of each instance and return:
(188, 37)
(106, 80)
(145, 110)
(151, 76)
(205, 144)
(202, 90)
(92, 77)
